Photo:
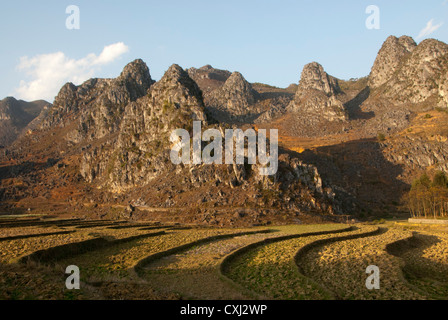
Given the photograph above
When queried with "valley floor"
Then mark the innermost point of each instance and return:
(153, 261)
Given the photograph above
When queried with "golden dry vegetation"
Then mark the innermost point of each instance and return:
(251, 263)
(341, 267)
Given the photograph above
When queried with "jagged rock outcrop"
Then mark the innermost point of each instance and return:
(314, 77)
(443, 90)
(235, 99)
(421, 75)
(228, 97)
(143, 141)
(316, 95)
(388, 59)
(421, 147)
(418, 153)
(209, 78)
(36, 122)
(139, 158)
(276, 108)
(108, 140)
(98, 104)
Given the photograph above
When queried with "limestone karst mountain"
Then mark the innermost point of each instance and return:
(98, 104)
(109, 139)
(209, 78)
(388, 59)
(143, 139)
(16, 115)
(317, 108)
(229, 97)
(345, 146)
(234, 100)
(317, 95)
(420, 75)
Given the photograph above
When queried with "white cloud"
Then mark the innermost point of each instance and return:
(47, 73)
(429, 29)
(110, 53)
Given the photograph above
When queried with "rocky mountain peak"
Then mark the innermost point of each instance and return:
(316, 96)
(66, 95)
(430, 49)
(176, 84)
(20, 111)
(236, 78)
(206, 68)
(208, 78)
(134, 69)
(315, 77)
(407, 42)
(98, 104)
(175, 75)
(137, 78)
(174, 71)
(236, 84)
(15, 116)
(419, 75)
(7, 108)
(388, 59)
(235, 98)
(9, 100)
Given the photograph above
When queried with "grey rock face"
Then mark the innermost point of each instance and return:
(317, 95)
(314, 77)
(388, 59)
(420, 75)
(209, 78)
(418, 153)
(98, 104)
(141, 150)
(139, 156)
(234, 99)
(443, 90)
(136, 78)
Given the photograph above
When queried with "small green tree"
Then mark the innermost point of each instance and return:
(423, 182)
(440, 180)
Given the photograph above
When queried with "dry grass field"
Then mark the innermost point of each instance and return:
(122, 260)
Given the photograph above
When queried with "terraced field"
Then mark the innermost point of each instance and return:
(187, 271)
(341, 266)
(122, 260)
(425, 262)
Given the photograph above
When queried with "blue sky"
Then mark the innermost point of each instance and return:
(267, 41)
